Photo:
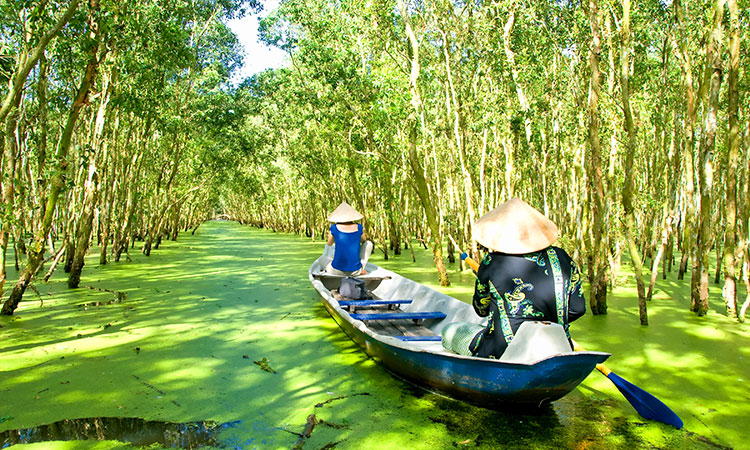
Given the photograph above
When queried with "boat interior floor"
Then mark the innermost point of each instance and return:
(387, 327)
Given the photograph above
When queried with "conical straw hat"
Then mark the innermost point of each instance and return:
(344, 213)
(516, 228)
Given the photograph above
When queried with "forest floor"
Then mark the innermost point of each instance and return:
(223, 326)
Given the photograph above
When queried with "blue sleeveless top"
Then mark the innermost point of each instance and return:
(346, 255)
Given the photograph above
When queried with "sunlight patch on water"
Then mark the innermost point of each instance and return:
(707, 332)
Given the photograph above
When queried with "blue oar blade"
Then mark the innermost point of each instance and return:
(646, 404)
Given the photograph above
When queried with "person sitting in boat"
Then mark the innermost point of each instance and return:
(522, 278)
(352, 248)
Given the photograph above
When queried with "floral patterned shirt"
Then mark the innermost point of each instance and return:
(511, 289)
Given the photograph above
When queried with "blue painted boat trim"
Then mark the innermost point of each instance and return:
(419, 338)
(400, 316)
(373, 302)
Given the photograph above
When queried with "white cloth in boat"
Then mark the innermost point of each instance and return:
(533, 342)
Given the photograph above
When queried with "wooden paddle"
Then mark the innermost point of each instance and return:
(644, 403)
(465, 256)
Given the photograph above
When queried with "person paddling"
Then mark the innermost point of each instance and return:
(522, 278)
(352, 249)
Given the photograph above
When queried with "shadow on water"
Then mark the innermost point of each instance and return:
(574, 422)
(188, 435)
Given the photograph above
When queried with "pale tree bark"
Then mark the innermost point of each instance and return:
(85, 220)
(729, 291)
(454, 108)
(511, 58)
(686, 69)
(91, 185)
(130, 175)
(610, 159)
(509, 167)
(43, 126)
(669, 201)
(111, 183)
(674, 183)
(8, 163)
(69, 223)
(597, 252)
(627, 193)
(713, 58)
(155, 229)
(743, 250)
(420, 182)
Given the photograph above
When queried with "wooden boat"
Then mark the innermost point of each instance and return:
(400, 327)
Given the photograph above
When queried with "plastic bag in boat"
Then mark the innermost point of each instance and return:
(353, 288)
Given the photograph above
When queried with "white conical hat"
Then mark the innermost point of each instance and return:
(344, 213)
(516, 228)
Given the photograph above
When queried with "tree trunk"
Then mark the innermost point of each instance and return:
(598, 294)
(91, 186)
(713, 57)
(459, 135)
(43, 127)
(70, 244)
(627, 193)
(729, 291)
(746, 304)
(8, 162)
(743, 251)
(420, 183)
(664, 242)
(122, 239)
(674, 177)
(686, 69)
(85, 221)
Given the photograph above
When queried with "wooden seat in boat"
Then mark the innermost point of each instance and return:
(417, 317)
(350, 305)
(431, 338)
(361, 277)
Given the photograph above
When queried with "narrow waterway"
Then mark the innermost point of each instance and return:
(224, 327)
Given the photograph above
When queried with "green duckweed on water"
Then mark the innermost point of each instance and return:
(200, 318)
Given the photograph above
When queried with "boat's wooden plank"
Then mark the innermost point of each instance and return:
(406, 327)
(428, 338)
(400, 316)
(373, 302)
(383, 327)
(353, 305)
(394, 328)
(361, 277)
(397, 327)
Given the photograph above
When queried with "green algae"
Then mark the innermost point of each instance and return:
(181, 347)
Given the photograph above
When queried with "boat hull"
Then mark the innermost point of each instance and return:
(479, 381)
(482, 381)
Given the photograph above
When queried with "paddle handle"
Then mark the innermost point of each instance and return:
(600, 367)
(470, 261)
(465, 256)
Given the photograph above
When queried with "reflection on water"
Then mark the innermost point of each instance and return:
(136, 431)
